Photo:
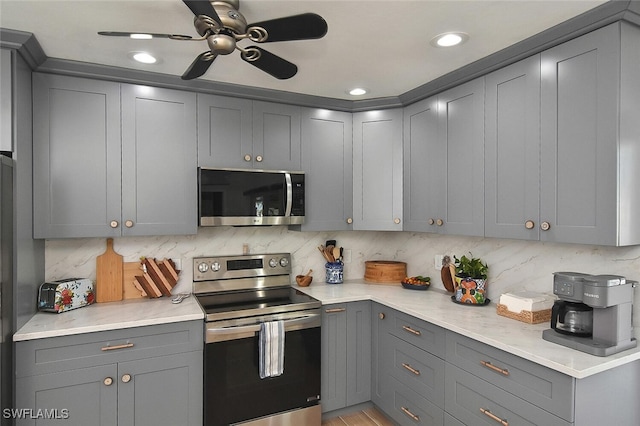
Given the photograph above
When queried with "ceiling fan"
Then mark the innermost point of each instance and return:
(222, 26)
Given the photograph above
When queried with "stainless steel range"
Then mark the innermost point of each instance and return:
(239, 294)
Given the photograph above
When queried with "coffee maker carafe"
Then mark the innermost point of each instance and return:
(593, 313)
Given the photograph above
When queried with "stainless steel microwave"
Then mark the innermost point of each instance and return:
(242, 197)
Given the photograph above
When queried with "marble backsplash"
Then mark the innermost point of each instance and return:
(513, 265)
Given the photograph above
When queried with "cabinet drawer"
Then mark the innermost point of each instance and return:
(417, 369)
(408, 408)
(54, 354)
(539, 385)
(420, 333)
(477, 402)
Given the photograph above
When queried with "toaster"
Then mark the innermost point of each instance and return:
(65, 295)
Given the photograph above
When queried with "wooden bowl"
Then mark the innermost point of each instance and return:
(304, 280)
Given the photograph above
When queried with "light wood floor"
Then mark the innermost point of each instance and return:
(368, 417)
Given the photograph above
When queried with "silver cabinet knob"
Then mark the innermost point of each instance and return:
(529, 224)
(128, 223)
(126, 378)
(431, 221)
(439, 222)
(545, 226)
(247, 157)
(349, 220)
(108, 381)
(259, 158)
(114, 224)
(396, 220)
(381, 315)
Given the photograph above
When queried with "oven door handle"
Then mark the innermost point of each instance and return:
(220, 334)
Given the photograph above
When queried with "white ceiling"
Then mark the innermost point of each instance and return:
(380, 45)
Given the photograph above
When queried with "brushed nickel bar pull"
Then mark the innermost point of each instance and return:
(334, 310)
(493, 416)
(411, 369)
(494, 368)
(410, 414)
(411, 330)
(113, 348)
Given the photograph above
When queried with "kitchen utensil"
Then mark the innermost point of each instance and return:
(304, 280)
(336, 253)
(179, 298)
(572, 318)
(329, 251)
(330, 243)
(109, 275)
(324, 253)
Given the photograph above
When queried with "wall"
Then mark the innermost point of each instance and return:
(513, 265)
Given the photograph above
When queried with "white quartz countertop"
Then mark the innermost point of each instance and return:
(481, 323)
(110, 316)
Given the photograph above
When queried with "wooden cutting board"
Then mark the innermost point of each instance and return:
(109, 275)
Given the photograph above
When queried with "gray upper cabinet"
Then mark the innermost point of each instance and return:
(444, 162)
(590, 97)
(377, 170)
(424, 170)
(327, 163)
(6, 107)
(112, 160)
(512, 151)
(240, 133)
(76, 157)
(159, 172)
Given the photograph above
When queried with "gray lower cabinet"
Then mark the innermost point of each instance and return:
(241, 133)
(111, 159)
(377, 170)
(141, 376)
(327, 163)
(346, 355)
(444, 162)
(407, 367)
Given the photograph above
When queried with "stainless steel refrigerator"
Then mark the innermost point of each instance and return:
(6, 281)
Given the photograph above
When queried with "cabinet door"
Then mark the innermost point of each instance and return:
(512, 151)
(424, 170)
(579, 100)
(327, 163)
(461, 128)
(358, 352)
(333, 391)
(165, 390)
(6, 106)
(76, 157)
(82, 397)
(276, 136)
(225, 137)
(377, 170)
(159, 167)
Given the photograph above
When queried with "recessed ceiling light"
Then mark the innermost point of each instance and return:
(449, 39)
(144, 57)
(358, 91)
(141, 36)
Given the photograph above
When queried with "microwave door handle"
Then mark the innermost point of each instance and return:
(287, 210)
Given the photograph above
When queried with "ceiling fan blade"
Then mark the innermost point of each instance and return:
(199, 66)
(203, 7)
(143, 35)
(297, 27)
(272, 64)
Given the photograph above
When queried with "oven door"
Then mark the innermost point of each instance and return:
(233, 389)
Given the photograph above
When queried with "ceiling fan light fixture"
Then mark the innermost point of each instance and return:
(141, 36)
(449, 39)
(144, 57)
(357, 91)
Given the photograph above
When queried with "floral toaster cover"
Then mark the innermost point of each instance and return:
(65, 295)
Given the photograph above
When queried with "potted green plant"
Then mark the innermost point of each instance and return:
(471, 280)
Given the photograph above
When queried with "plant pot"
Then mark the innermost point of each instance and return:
(470, 290)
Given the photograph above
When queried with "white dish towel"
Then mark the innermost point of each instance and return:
(271, 349)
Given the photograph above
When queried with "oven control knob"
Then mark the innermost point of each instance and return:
(273, 263)
(215, 266)
(284, 262)
(203, 267)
